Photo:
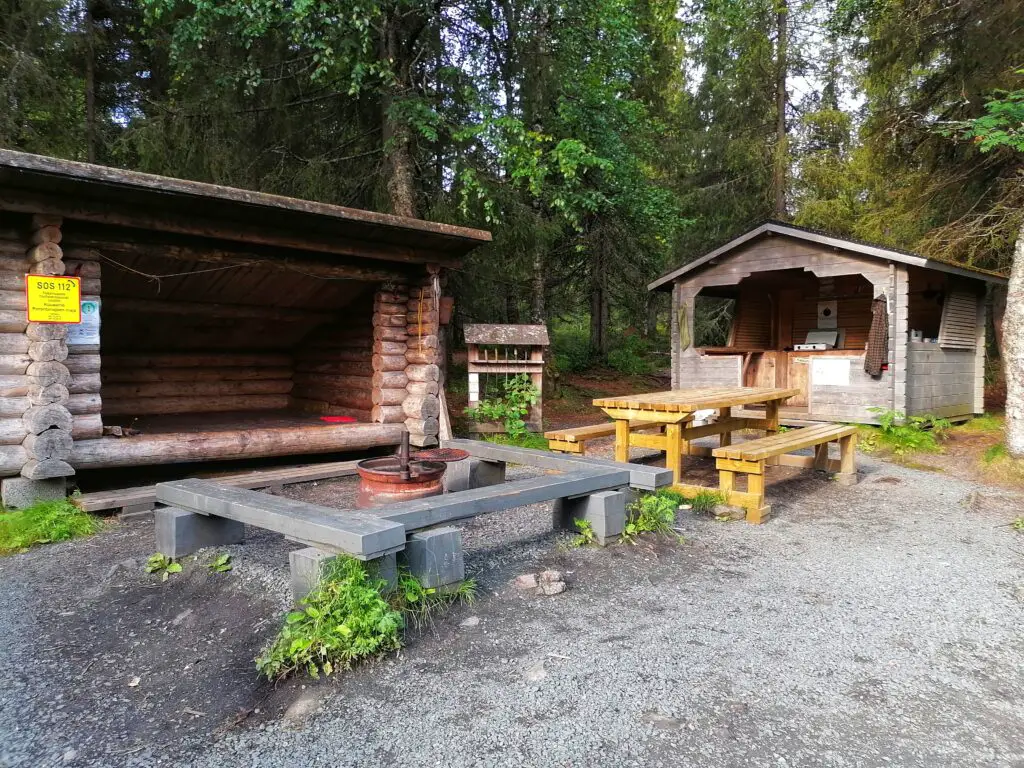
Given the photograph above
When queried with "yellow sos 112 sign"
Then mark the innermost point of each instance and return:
(54, 299)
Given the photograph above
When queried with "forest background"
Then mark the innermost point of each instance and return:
(601, 141)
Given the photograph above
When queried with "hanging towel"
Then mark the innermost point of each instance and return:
(878, 337)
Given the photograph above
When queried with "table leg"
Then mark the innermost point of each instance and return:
(674, 450)
(726, 437)
(771, 412)
(622, 440)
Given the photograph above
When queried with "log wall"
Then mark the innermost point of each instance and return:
(421, 406)
(333, 366)
(390, 340)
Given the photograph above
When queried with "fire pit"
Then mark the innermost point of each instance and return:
(402, 477)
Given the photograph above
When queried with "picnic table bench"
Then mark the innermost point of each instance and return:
(751, 457)
(575, 439)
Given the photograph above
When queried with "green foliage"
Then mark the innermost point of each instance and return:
(42, 523)
(901, 434)
(163, 565)
(344, 620)
(1018, 524)
(985, 423)
(221, 563)
(630, 357)
(570, 345)
(510, 409)
(419, 604)
(525, 440)
(995, 453)
(1002, 125)
(651, 513)
(702, 502)
(585, 535)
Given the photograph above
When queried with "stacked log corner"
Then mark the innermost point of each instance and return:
(389, 347)
(421, 406)
(47, 423)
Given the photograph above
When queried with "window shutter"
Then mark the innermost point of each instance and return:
(959, 320)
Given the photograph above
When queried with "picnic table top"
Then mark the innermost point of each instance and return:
(688, 400)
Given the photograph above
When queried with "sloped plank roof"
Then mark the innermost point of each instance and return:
(821, 238)
(536, 335)
(40, 184)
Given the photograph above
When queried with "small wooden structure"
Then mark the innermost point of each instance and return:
(788, 283)
(507, 350)
(231, 321)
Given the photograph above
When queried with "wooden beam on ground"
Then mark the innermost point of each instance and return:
(361, 534)
(264, 478)
(641, 476)
(438, 510)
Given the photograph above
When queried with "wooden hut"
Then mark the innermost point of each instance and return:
(805, 306)
(229, 321)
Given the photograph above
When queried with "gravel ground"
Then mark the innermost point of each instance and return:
(877, 625)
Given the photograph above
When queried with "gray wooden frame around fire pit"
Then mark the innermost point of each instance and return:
(203, 513)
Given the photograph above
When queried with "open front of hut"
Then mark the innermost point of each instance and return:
(219, 323)
(859, 329)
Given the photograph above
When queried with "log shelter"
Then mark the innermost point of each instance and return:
(230, 322)
(804, 311)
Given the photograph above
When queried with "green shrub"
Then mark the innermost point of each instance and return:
(43, 522)
(510, 409)
(351, 616)
(570, 347)
(902, 434)
(525, 440)
(651, 513)
(343, 620)
(631, 357)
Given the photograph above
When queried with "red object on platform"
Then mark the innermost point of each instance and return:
(337, 419)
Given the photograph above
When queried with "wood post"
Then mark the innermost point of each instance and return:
(47, 421)
(673, 450)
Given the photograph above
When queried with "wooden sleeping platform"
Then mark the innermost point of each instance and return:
(223, 436)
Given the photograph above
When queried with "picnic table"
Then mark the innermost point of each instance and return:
(676, 407)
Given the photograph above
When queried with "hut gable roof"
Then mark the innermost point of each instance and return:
(522, 335)
(771, 228)
(93, 193)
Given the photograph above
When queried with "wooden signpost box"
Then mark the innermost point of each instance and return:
(507, 350)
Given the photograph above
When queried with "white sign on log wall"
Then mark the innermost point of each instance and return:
(87, 331)
(830, 372)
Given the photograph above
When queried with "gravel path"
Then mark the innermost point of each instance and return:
(876, 625)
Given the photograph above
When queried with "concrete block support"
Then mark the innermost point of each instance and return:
(435, 557)
(20, 492)
(473, 473)
(307, 565)
(180, 533)
(605, 511)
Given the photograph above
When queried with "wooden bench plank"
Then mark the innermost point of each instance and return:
(640, 476)
(438, 510)
(361, 534)
(774, 445)
(264, 478)
(593, 431)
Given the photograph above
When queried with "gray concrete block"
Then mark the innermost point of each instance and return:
(385, 568)
(20, 492)
(306, 565)
(136, 513)
(435, 556)
(473, 473)
(605, 511)
(180, 533)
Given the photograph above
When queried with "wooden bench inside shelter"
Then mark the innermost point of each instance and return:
(750, 458)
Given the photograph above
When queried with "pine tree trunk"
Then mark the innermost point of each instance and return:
(399, 168)
(1013, 352)
(539, 310)
(780, 174)
(90, 85)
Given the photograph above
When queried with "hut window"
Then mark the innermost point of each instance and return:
(959, 321)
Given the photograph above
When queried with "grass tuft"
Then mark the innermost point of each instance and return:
(42, 523)
(528, 440)
(985, 423)
(702, 502)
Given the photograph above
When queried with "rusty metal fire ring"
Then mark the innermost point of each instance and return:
(446, 455)
(388, 469)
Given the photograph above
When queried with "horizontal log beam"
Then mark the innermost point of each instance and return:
(150, 307)
(176, 447)
(150, 406)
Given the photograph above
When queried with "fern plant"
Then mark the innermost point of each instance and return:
(511, 408)
(904, 434)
